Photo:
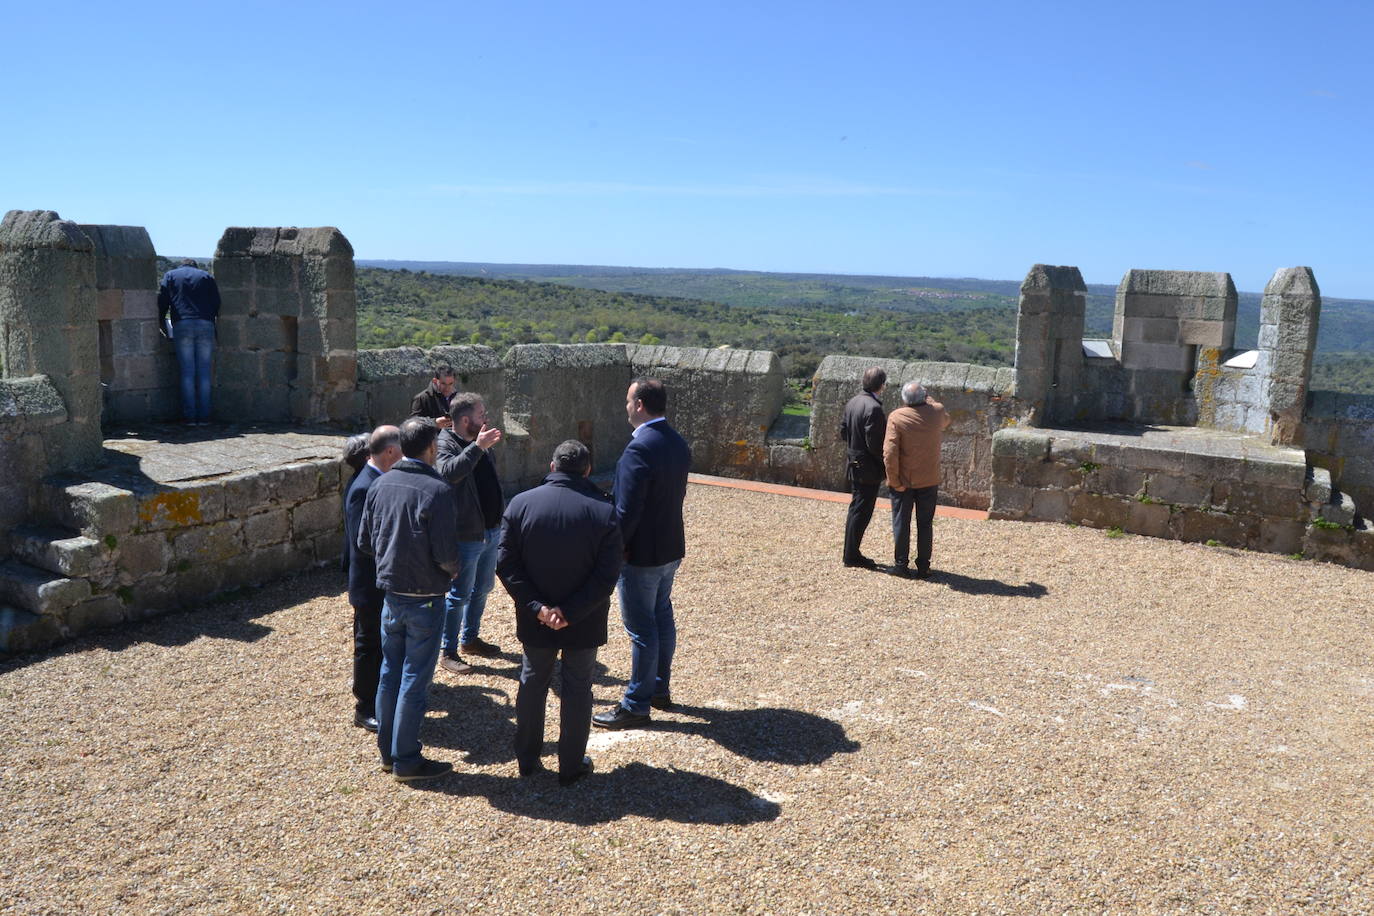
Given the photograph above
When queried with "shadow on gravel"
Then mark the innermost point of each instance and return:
(973, 586)
(638, 789)
(770, 734)
(224, 616)
(475, 720)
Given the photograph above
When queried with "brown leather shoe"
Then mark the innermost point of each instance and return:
(480, 648)
(453, 663)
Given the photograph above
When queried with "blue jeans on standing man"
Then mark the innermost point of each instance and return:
(467, 595)
(194, 339)
(410, 647)
(646, 609)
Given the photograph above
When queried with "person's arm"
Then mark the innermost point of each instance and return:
(164, 305)
(212, 293)
(443, 532)
(510, 568)
(363, 539)
(875, 425)
(456, 461)
(892, 458)
(600, 582)
(631, 489)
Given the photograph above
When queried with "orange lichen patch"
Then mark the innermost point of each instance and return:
(176, 506)
(742, 454)
(829, 496)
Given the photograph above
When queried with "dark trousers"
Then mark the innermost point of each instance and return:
(574, 706)
(923, 500)
(861, 502)
(367, 658)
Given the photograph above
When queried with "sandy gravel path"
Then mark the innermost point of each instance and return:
(1061, 721)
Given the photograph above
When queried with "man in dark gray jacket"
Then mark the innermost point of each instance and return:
(410, 525)
(463, 461)
(560, 559)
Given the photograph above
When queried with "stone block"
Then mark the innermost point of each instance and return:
(1280, 535)
(294, 483)
(1285, 469)
(1207, 333)
(1197, 525)
(269, 332)
(1010, 500)
(208, 544)
(1098, 511)
(109, 304)
(271, 527)
(1114, 480)
(1053, 474)
(327, 547)
(1022, 443)
(1049, 506)
(233, 273)
(95, 508)
(1136, 354)
(316, 516)
(39, 591)
(140, 555)
(140, 304)
(249, 492)
(1179, 489)
(96, 613)
(22, 631)
(1151, 519)
(165, 508)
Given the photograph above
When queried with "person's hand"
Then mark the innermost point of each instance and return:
(552, 618)
(487, 437)
(444, 422)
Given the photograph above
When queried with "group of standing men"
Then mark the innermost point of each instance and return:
(429, 530)
(902, 450)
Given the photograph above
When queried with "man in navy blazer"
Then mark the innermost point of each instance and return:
(383, 450)
(560, 556)
(650, 487)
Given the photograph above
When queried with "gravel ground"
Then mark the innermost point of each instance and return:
(1059, 721)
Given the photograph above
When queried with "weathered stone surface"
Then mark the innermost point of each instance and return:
(94, 614)
(58, 551)
(28, 229)
(316, 516)
(271, 527)
(142, 555)
(208, 544)
(1098, 511)
(1049, 505)
(38, 591)
(1151, 519)
(94, 508)
(24, 631)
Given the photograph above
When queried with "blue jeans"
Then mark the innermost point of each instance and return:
(410, 647)
(194, 339)
(646, 609)
(467, 594)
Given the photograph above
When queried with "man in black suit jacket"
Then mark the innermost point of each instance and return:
(650, 487)
(384, 450)
(862, 427)
(559, 557)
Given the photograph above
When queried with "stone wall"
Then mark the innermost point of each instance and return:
(48, 324)
(1340, 438)
(1178, 485)
(288, 326)
(31, 417)
(138, 366)
(979, 400)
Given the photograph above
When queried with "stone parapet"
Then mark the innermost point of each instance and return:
(1339, 436)
(1181, 483)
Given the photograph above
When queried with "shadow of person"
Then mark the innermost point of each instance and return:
(770, 734)
(476, 720)
(661, 794)
(970, 585)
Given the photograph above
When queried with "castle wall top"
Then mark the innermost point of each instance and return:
(28, 229)
(260, 241)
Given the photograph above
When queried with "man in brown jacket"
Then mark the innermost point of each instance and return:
(911, 456)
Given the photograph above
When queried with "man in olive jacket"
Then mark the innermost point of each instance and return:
(861, 429)
(560, 557)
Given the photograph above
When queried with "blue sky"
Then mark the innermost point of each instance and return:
(892, 138)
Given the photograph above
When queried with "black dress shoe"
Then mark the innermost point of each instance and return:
(901, 572)
(861, 562)
(567, 779)
(617, 718)
(531, 769)
(663, 701)
(922, 572)
(367, 722)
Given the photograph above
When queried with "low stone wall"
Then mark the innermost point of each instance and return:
(1178, 484)
(30, 408)
(1339, 432)
(979, 400)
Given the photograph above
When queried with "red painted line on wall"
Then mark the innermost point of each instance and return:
(829, 496)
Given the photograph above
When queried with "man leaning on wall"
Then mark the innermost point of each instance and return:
(187, 308)
(911, 459)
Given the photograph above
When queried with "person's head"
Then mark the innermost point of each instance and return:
(875, 379)
(572, 458)
(469, 413)
(384, 446)
(444, 380)
(355, 451)
(913, 393)
(645, 400)
(188, 262)
(419, 438)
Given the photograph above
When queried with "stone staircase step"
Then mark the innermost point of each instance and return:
(22, 631)
(39, 591)
(58, 550)
(91, 507)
